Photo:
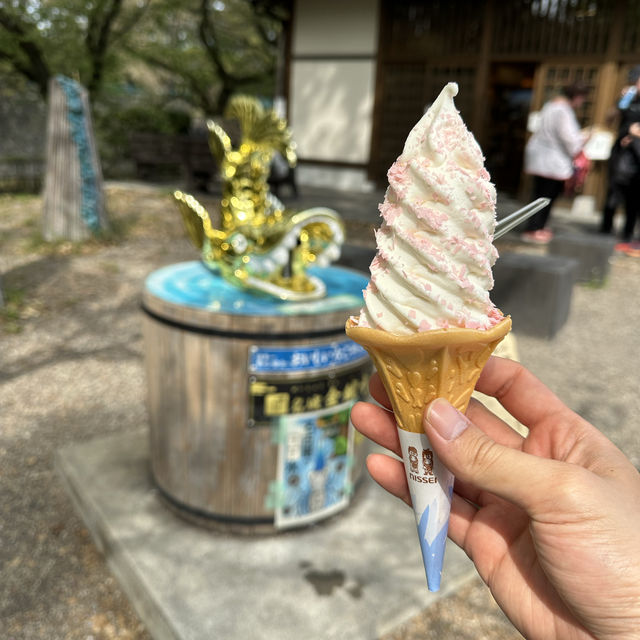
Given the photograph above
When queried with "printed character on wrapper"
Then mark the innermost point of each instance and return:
(428, 322)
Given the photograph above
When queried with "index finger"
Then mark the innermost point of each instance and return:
(523, 395)
(378, 392)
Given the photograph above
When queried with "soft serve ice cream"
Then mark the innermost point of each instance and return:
(428, 322)
(435, 252)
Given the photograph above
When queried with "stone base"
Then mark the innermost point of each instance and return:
(535, 290)
(358, 575)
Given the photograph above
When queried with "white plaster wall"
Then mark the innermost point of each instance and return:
(332, 82)
(332, 108)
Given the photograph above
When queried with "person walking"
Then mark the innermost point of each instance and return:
(549, 155)
(624, 163)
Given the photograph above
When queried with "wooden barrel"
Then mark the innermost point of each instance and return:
(249, 398)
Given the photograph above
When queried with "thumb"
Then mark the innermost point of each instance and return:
(475, 458)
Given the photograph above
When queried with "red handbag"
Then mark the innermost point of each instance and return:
(581, 167)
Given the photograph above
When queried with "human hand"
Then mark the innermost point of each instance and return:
(551, 521)
(624, 89)
(634, 129)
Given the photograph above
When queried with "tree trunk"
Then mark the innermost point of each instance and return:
(73, 193)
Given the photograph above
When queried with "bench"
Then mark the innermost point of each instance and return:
(156, 155)
(189, 157)
(592, 252)
(535, 290)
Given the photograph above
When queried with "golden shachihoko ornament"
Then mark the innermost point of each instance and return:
(261, 245)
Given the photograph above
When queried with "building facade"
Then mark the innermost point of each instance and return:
(362, 73)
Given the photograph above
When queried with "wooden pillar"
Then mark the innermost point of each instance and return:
(73, 194)
(609, 70)
(478, 123)
(605, 100)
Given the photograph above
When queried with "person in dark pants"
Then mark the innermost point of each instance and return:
(550, 152)
(624, 163)
(543, 188)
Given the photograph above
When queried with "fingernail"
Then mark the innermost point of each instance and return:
(447, 421)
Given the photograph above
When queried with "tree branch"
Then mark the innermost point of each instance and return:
(192, 81)
(37, 70)
(97, 40)
(130, 23)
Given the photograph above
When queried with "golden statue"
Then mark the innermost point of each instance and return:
(261, 245)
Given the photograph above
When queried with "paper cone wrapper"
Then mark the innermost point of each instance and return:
(416, 369)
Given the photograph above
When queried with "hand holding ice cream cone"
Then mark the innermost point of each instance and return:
(550, 520)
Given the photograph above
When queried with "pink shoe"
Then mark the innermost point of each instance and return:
(632, 249)
(540, 236)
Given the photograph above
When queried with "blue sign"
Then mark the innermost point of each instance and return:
(304, 358)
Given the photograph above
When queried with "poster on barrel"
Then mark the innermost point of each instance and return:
(305, 394)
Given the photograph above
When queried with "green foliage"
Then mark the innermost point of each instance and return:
(149, 65)
(70, 37)
(207, 50)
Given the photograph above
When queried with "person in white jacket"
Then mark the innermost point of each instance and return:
(550, 152)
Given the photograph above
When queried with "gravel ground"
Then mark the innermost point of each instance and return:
(71, 370)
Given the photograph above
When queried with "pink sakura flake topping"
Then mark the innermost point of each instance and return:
(434, 218)
(461, 278)
(472, 249)
(435, 183)
(441, 198)
(399, 179)
(460, 317)
(465, 285)
(495, 316)
(433, 255)
(473, 324)
(454, 244)
(412, 314)
(474, 218)
(443, 323)
(384, 230)
(379, 315)
(424, 326)
(488, 195)
(390, 211)
(468, 159)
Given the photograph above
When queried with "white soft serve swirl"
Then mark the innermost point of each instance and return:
(432, 269)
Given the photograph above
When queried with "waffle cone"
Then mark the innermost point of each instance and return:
(416, 369)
